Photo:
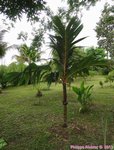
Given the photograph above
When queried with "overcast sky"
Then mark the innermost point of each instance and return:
(89, 20)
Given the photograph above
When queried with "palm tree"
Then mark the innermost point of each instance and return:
(27, 54)
(63, 45)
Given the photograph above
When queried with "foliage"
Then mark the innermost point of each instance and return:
(51, 74)
(109, 67)
(105, 70)
(11, 79)
(27, 73)
(11, 75)
(38, 36)
(27, 54)
(110, 76)
(16, 67)
(76, 6)
(30, 53)
(15, 78)
(2, 143)
(78, 3)
(35, 74)
(84, 94)
(63, 44)
(19, 74)
(51, 77)
(23, 36)
(14, 10)
(3, 45)
(3, 77)
(105, 30)
(38, 39)
(98, 52)
(87, 63)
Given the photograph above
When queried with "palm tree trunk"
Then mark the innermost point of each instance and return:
(65, 104)
(30, 75)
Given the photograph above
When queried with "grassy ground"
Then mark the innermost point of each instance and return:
(31, 123)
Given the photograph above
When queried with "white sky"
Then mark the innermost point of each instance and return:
(89, 20)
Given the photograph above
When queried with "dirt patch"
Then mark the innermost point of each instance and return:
(64, 133)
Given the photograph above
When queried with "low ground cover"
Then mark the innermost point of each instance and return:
(31, 123)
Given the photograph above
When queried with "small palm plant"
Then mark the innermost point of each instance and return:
(84, 94)
(101, 83)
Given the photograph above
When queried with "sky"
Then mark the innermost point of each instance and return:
(89, 20)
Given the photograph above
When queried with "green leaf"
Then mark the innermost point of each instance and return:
(2, 143)
(76, 90)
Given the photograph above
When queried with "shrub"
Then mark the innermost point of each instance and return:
(110, 77)
(3, 80)
(84, 94)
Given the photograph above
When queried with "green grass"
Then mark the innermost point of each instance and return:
(31, 123)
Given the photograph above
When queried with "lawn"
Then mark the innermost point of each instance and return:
(31, 123)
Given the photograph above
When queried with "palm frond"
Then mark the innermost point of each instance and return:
(64, 40)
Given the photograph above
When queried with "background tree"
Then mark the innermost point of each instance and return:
(16, 67)
(76, 6)
(31, 53)
(80, 3)
(3, 45)
(38, 38)
(27, 54)
(14, 9)
(3, 71)
(23, 36)
(98, 52)
(105, 30)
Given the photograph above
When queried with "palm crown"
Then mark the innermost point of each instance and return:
(63, 43)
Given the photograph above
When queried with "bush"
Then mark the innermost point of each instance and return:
(110, 77)
(84, 94)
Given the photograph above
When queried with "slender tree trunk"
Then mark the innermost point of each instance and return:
(30, 75)
(107, 54)
(65, 104)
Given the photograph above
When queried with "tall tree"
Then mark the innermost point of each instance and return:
(105, 30)
(63, 45)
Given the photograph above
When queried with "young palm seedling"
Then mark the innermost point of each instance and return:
(84, 94)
